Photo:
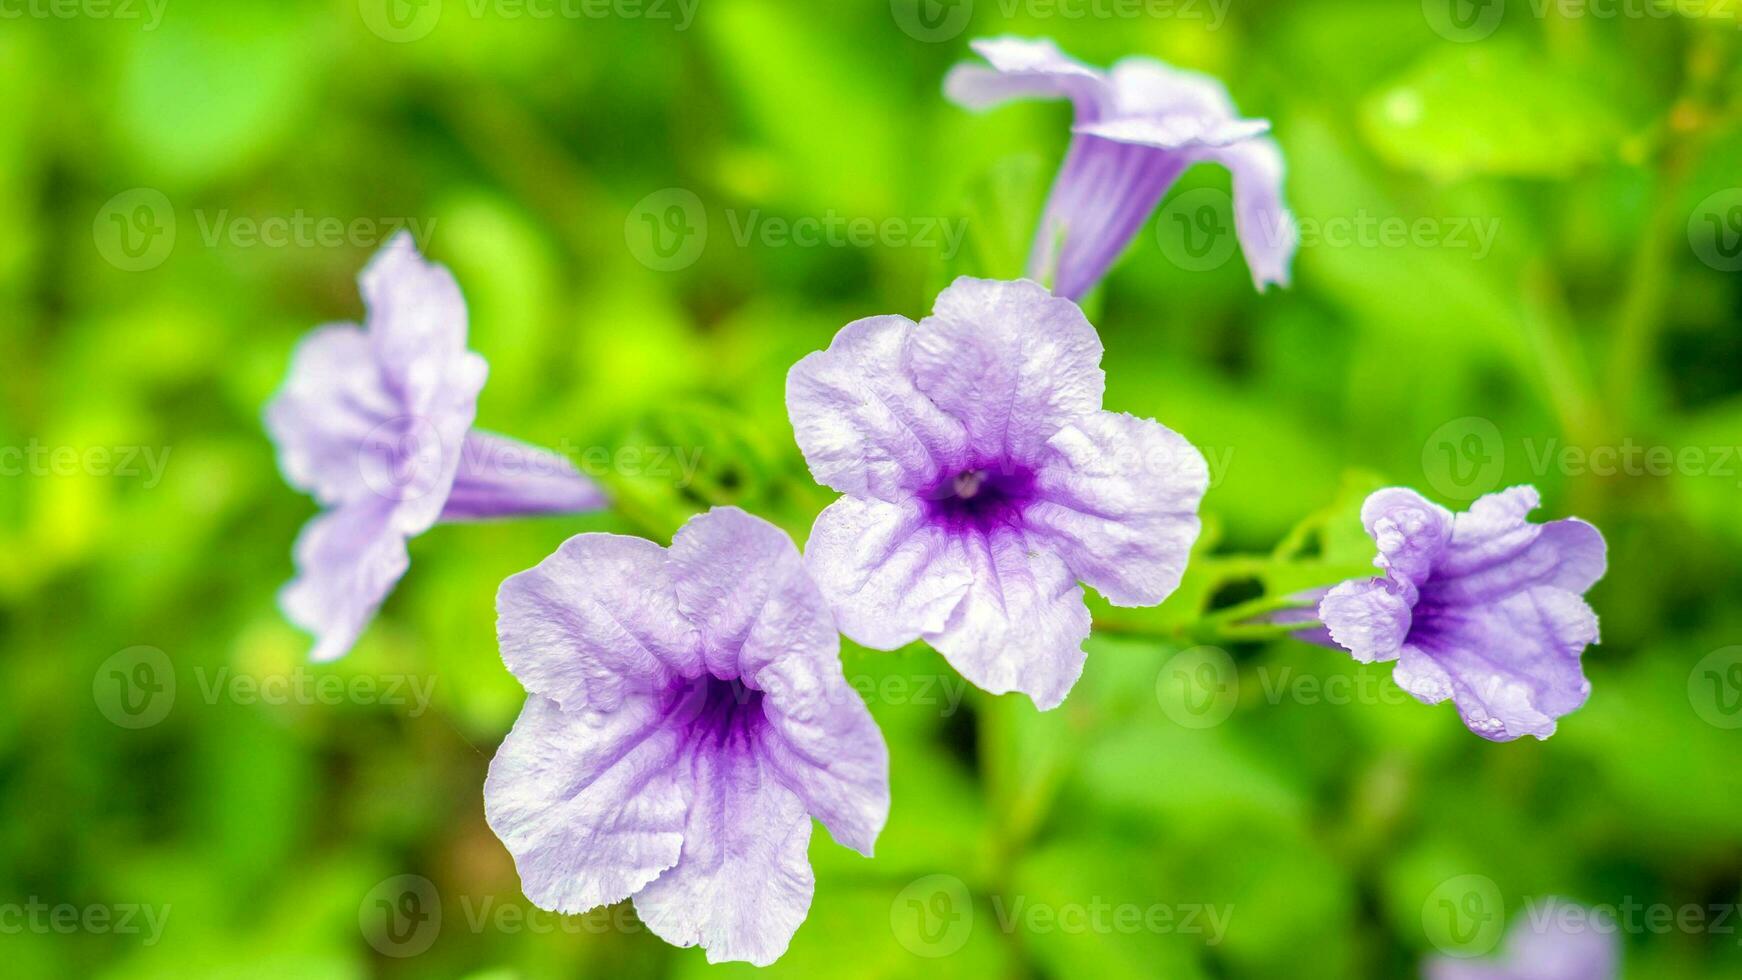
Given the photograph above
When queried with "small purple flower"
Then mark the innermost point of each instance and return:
(1482, 607)
(376, 423)
(1566, 947)
(686, 717)
(1137, 128)
(983, 481)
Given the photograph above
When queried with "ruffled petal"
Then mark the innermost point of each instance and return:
(1147, 87)
(1370, 618)
(1411, 531)
(347, 561)
(822, 744)
(888, 573)
(1022, 623)
(1511, 665)
(1495, 550)
(596, 624)
(417, 321)
(1012, 362)
(501, 477)
(743, 883)
(1027, 68)
(741, 582)
(862, 424)
(332, 400)
(1267, 231)
(1118, 500)
(590, 804)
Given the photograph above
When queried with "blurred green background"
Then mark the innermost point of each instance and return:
(192, 186)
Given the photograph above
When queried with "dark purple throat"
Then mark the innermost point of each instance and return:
(980, 497)
(716, 711)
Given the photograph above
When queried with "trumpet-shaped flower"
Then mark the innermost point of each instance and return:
(1482, 607)
(1137, 128)
(376, 423)
(983, 482)
(686, 717)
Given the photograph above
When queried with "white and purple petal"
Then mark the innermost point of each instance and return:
(1117, 497)
(1013, 363)
(1483, 608)
(591, 804)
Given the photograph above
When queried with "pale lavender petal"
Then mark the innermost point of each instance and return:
(1117, 498)
(743, 883)
(822, 744)
(331, 401)
(1369, 618)
(1176, 133)
(1011, 362)
(1147, 87)
(1024, 68)
(1022, 623)
(1411, 531)
(887, 571)
(591, 804)
(1511, 665)
(1561, 948)
(1267, 230)
(417, 323)
(347, 561)
(1494, 549)
(596, 624)
(741, 581)
(1482, 607)
(863, 426)
(1104, 193)
(500, 477)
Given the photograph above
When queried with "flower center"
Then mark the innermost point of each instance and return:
(980, 497)
(717, 710)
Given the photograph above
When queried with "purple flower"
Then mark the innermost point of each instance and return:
(376, 423)
(983, 481)
(1137, 128)
(1483, 607)
(1566, 947)
(686, 717)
